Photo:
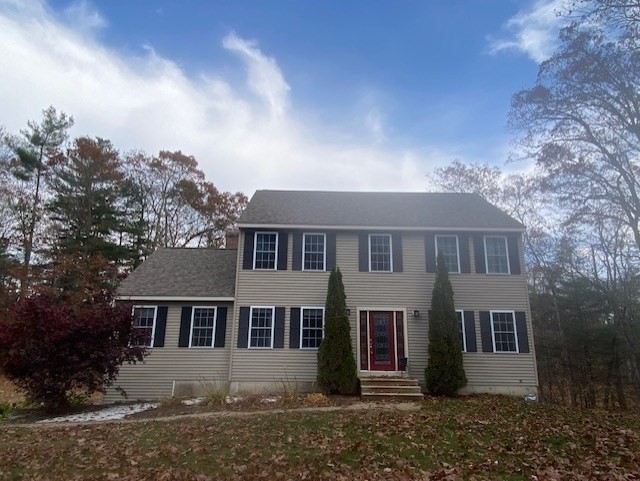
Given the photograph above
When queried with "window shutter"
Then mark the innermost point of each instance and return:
(331, 250)
(221, 327)
(470, 331)
(243, 327)
(478, 249)
(283, 244)
(396, 250)
(161, 327)
(185, 326)
(430, 252)
(294, 328)
(521, 329)
(247, 256)
(514, 254)
(465, 261)
(296, 262)
(363, 252)
(278, 335)
(485, 331)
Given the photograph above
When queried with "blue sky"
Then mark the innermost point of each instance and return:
(290, 94)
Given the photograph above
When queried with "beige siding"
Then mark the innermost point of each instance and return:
(191, 368)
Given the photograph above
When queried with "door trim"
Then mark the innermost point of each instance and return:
(367, 372)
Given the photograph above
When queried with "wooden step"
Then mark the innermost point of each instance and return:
(392, 396)
(390, 388)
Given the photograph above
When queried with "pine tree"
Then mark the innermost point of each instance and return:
(336, 362)
(445, 373)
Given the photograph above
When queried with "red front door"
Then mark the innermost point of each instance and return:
(382, 349)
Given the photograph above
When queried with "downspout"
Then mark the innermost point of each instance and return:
(235, 316)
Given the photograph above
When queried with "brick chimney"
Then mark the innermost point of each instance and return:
(232, 239)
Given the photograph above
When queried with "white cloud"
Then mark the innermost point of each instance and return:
(533, 31)
(244, 136)
(84, 16)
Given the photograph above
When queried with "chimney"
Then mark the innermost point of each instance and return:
(232, 239)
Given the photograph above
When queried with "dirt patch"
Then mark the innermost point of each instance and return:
(9, 393)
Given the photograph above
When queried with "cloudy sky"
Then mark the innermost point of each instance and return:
(359, 95)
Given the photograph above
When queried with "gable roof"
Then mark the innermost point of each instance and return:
(186, 272)
(422, 210)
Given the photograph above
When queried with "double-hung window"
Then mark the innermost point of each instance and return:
(496, 254)
(448, 246)
(312, 328)
(314, 252)
(463, 334)
(203, 327)
(144, 322)
(261, 324)
(380, 258)
(503, 330)
(265, 254)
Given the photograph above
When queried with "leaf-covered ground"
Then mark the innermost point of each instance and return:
(484, 437)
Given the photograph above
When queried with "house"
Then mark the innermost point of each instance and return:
(250, 318)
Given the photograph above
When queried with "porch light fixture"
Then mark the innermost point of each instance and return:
(348, 312)
(416, 313)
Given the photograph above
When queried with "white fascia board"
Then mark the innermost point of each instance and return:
(380, 228)
(175, 298)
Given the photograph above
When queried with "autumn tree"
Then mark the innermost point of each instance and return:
(336, 362)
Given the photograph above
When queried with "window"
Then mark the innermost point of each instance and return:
(448, 245)
(265, 254)
(503, 328)
(261, 327)
(495, 250)
(144, 321)
(380, 253)
(463, 334)
(313, 252)
(312, 328)
(203, 326)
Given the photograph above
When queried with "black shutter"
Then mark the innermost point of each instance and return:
(396, 249)
(465, 260)
(430, 252)
(521, 329)
(247, 256)
(185, 326)
(283, 244)
(278, 335)
(161, 327)
(470, 331)
(363, 252)
(294, 328)
(221, 327)
(296, 262)
(243, 327)
(485, 331)
(331, 251)
(514, 254)
(478, 249)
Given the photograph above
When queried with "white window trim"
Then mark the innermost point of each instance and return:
(302, 308)
(464, 330)
(273, 326)
(215, 321)
(155, 319)
(255, 247)
(324, 264)
(390, 251)
(457, 251)
(515, 332)
(486, 260)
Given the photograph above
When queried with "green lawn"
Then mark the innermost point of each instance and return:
(484, 437)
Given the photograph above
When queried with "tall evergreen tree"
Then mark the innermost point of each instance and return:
(445, 373)
(336, 362)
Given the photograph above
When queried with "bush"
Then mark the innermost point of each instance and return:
(4, 410)
(53, 349)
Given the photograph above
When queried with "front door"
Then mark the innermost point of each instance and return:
(382, 355)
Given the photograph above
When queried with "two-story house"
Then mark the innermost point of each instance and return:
(251, 318)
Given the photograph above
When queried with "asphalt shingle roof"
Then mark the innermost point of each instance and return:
(184, 273)
(374, 209)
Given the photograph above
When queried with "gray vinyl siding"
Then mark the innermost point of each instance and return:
(154, 377)
(407, 290)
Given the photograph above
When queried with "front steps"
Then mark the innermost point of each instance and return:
(390, 389)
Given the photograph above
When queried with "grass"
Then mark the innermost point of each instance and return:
(482, 437)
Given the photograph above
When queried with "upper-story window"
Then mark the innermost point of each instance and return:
(463, 334)
(265, 255)
(496, 254)
(448, 246)
(503, 329)
(144, 322)
(380, 253)
(314, 252)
